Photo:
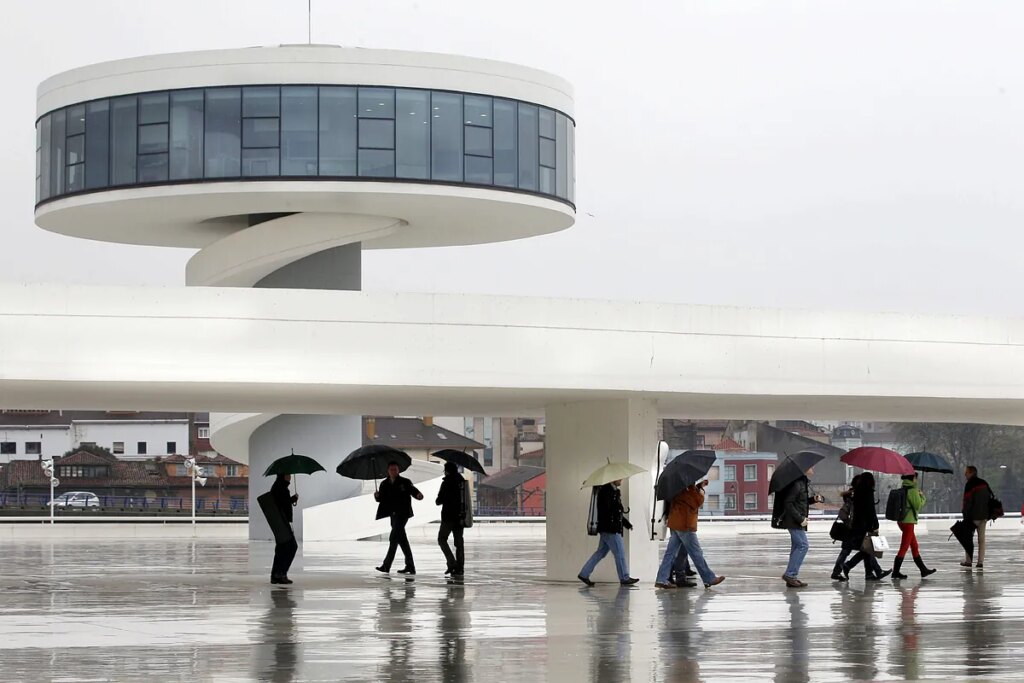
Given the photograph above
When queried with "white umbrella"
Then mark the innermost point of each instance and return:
(613, 471)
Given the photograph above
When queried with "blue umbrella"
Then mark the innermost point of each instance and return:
(929, 462)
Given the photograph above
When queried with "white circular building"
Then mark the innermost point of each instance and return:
(282, 164)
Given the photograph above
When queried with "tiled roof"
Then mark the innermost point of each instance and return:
(219, 459)
(511, 477)
(728, 444)
(411, 432)
(532, 455)
(87, 458)
(123, 473)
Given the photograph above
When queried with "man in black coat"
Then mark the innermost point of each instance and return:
(394, 498)
(284, 552)
(611, 522)
(975, 510)
(453, 516)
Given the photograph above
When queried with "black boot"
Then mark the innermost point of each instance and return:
(897, 564)
(924, 570)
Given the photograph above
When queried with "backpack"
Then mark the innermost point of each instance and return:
(995, 507)
(592, 516)
(840, 530)
(467, 506)
(896, 506)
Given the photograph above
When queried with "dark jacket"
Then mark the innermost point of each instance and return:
(610, 518)
(449, 497)
(396, 498)
(976, 495)
(282, 498)
(792, 505)
(863, 518)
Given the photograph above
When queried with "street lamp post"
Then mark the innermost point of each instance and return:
(47, 466)
(196, 475)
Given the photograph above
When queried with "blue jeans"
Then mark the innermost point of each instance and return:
(797, 552)
(612, 542)
(687, 542)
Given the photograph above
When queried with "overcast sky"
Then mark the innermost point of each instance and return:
(857, 155)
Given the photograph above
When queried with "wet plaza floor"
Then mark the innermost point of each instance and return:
(177, 610)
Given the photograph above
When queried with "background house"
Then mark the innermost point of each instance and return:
(517, 490)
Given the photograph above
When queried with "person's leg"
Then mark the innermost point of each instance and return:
(602, 550)
(981, 523)
(275, 568)
(692, 545)
(460, 549)
(672, 550)
(797, 551)
(443, 532)
(837, 570)
(291, 548)
(906, 540)
(389, 558)
(619, 552)
(403, 543)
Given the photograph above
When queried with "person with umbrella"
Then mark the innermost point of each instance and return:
(791, 485)
(682, 520)
(611, 522)
(915, 501)
(284, 551)
(975, 510)
(863, 523)
(394, 499)
(449, 497)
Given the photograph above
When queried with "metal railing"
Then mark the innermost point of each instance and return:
(12, 502)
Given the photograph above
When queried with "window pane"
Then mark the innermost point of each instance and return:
(75, 152)
(186, 135)
(76, 177)
(478, 170)
(152, 168)
(260, 132)
(377, 163)
(223, 144)
(561, 162)
(97, 144)
(153, 138)
(547, 180)
(505, 159)
(478, 110)
(298, 130)
(57, 143)
(76, 120)
(38, 160)
(446, 136)
(260, 162)
(547, 152)
(547, 123)
(122, 147)
(377, 103)
(478, 141)
(337, 131)
(412, 134)
(44, 157)
(153, 108)
(527, 147)
(571, 155)
(376, 134)
(262, 101)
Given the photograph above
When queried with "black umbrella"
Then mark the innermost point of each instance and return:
(294, 464)
(964, 532)
(792, 468)
(464, 460)
(371, 462)
(683, 471)
(930, 462)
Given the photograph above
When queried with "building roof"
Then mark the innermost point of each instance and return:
(512, 477)
(66, 417)
(218, 459)
(123, 473)
(728, 444)
(532, 455)
(411, 432)
(87, 458)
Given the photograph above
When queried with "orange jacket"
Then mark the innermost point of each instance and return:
(683, 515)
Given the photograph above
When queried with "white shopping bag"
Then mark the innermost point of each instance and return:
(879, 543)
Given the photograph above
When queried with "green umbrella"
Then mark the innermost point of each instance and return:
(294, 464)
(613, 471)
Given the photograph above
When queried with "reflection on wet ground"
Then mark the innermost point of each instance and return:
(183, 610)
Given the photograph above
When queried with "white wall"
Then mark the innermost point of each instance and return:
(55, 441)
(156, 434)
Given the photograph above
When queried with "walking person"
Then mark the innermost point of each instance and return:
(863, 524)
(975, 509)
(449, 497)
(915, 502)
(846, 515)
(394, 498)
(611, 522)
(284, 551)
(681, 571)
(790, 511)
(682, 521)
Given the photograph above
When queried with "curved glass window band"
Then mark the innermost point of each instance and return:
(305, 132)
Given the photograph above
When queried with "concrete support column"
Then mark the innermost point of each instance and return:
(580, 437)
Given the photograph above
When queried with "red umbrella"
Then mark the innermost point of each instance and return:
(878, 460)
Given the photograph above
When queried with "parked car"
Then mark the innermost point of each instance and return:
(76, 499)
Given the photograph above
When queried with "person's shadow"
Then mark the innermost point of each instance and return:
(278, 627)
(451, 632)
(907, 656)
(792, 665)
(856, 631)
(394, 623)
(983, 631)
(610, 637)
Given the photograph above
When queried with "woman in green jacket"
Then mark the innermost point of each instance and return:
(915, 501)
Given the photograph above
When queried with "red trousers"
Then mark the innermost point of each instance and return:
(908, 541)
